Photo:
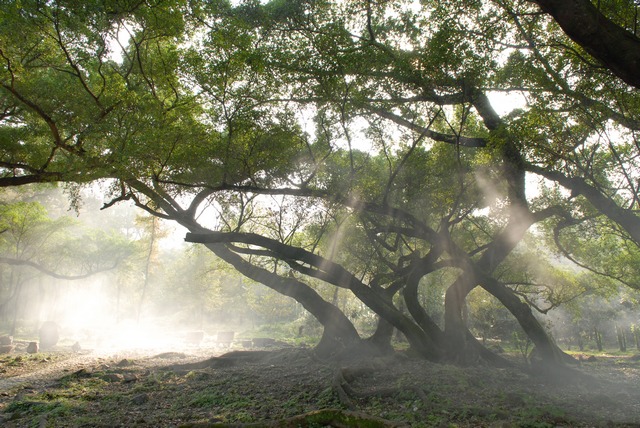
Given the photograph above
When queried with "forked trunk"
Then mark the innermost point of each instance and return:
(381, 338)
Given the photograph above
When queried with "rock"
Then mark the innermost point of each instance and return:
(32, 348)
(140, 399)
(263, 342)
(6, 340)
(113, 377)
(76, 347)
(6, 349)
(49, 335)
(225, 337)
(194, 337)
(591, 359)
(124, 363)
(129, 377)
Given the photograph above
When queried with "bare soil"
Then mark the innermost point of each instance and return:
(221, 387)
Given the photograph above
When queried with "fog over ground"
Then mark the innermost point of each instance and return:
(162, 290)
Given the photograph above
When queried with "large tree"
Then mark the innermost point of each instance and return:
(376, 114)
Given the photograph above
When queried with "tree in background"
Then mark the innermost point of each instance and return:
(40, 252)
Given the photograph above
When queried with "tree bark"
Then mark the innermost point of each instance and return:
(617, 48)
(457, 344)
(410, 296)
(339, 333)
(381, 338)
(629, 221)
(332, 273)
(547, 349)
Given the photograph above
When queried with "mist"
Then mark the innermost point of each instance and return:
(116, 280)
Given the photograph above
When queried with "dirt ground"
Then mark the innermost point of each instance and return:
(190, 388)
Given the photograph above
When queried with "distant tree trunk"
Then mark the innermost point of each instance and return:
(118, 294)
(17, 302)
(598, 338)
(147, 265)
(580, 342)
(622, 340)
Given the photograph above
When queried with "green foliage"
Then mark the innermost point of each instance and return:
(211, 103)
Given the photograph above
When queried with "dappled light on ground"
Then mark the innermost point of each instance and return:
(205, 386)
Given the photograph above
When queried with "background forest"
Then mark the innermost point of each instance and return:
(98, 274)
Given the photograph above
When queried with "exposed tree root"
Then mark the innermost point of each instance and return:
(341, 388)
(346, 392)
(327, 417)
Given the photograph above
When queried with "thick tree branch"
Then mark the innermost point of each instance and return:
(332, 273)
(45, 177)
(436, 136)
(617, 48)
(627, 219)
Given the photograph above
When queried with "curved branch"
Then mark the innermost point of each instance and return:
(627, 219)
(19, 262)
(556, 238)
(426, 132)
(334, 274)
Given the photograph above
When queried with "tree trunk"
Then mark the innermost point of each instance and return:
(546, 348)
(420, 342)
(580, 343)
(622, 340)
(598, 338)
(325, 270)
(381, 338)
(457, 345)
(339, 333)
(410, 296)
(18, 302)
